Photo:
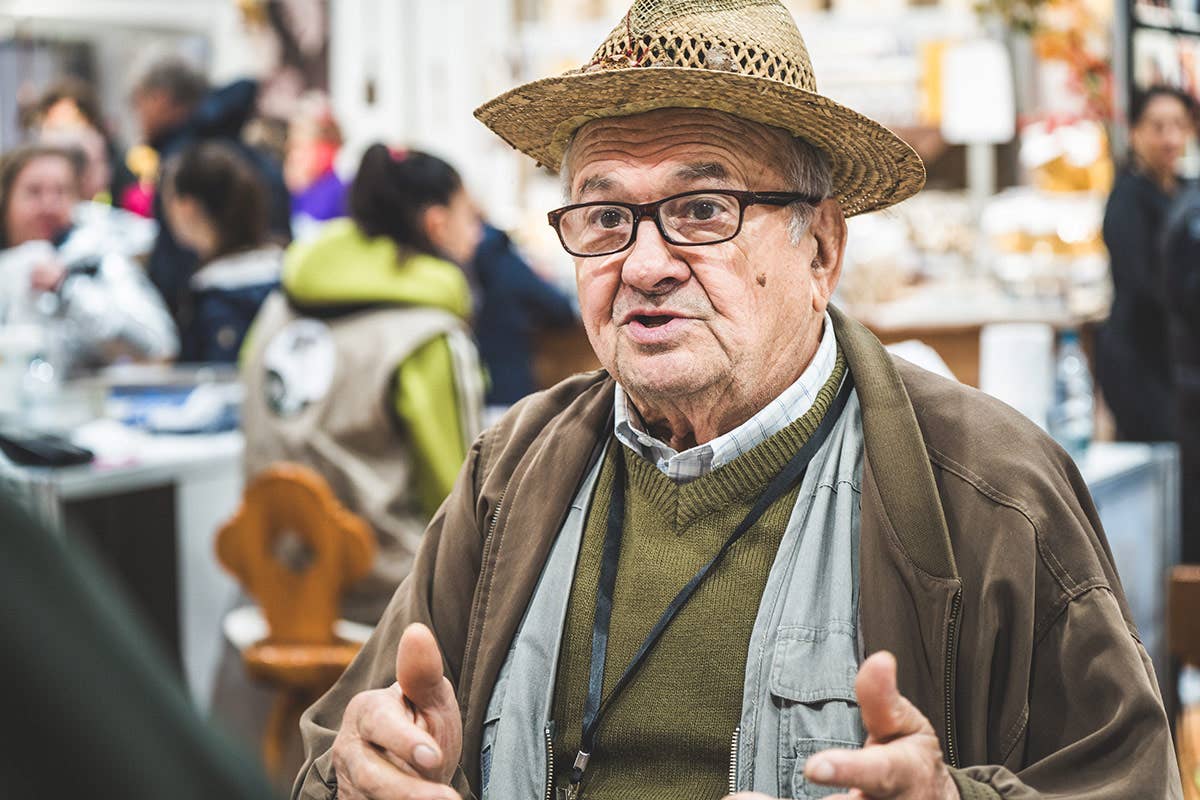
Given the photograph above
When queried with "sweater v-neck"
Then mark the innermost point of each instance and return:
(744, 477)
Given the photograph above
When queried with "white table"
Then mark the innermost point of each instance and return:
(204, 475)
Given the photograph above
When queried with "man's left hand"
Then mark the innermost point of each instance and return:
(901, 758)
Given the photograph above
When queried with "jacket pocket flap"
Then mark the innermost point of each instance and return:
(801, 788)
(815, 665)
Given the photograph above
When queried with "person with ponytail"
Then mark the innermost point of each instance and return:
(362, 365)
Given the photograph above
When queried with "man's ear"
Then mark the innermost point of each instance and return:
(828, 228)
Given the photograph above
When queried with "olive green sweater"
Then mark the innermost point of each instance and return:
(669, 733)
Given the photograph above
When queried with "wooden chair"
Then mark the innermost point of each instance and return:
(294, 548)
(1183, 640)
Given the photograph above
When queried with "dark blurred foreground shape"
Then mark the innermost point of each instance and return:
(92, 709)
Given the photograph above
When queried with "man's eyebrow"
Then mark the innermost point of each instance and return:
(707, 171)
(596, 183)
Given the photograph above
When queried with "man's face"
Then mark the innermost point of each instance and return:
(669, 322)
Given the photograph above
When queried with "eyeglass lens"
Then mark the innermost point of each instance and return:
(692, 219)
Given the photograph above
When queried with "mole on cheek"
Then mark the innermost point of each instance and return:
(762, 279)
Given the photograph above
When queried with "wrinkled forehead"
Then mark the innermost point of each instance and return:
(672, 150)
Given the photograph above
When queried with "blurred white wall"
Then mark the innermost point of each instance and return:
(410, 72)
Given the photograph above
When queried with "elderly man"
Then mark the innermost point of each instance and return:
(755, 553)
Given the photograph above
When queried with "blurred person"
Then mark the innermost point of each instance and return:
(313, 142)
(97, 170)
(1181, 263)
(216, 205)
(362, 366)
(176, 108)
(516, 303)
(1132, 360)
(133, 233)
(71, 272)
(70, 105)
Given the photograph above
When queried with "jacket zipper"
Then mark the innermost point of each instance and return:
(472, 628)
(733, 759)
(951, 650)
(549, 734)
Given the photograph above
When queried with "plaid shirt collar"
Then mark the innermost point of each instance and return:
(793, 403)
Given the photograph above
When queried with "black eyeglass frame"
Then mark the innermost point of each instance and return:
(641, 211)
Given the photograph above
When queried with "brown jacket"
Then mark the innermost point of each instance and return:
(983, 569)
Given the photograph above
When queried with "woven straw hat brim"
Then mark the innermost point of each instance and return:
(873, 168)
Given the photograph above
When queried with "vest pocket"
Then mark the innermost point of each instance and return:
(794, 777)
(812, 691)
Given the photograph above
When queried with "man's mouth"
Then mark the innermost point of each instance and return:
(653, 321)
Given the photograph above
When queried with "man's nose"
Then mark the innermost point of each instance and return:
(650, 266)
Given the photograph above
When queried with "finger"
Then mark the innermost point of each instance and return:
(372, 777)
(879, 772)
(885, 713)
(419, 670)
(388, 725)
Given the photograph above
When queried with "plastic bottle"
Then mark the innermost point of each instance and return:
(1071, 418)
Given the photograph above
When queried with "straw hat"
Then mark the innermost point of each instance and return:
(744, 57)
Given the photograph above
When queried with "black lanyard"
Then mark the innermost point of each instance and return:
(594, 709)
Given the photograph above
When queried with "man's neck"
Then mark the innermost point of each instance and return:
(690, 420)
(684, 425)
(687, 421)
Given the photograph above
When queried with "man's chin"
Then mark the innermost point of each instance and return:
(662, 377)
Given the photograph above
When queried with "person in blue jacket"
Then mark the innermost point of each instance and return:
(514, 303)
(216, 206)
(176, 108)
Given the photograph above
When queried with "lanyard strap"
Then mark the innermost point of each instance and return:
(594, 707)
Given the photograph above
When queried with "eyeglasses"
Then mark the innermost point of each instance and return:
(690, 219)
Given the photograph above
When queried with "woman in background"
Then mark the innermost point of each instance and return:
(362, 365)
(216, 205)
(1133, 361)
(67, 274)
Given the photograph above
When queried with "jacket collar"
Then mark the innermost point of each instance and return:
(896, 451)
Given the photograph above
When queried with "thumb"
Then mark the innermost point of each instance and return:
(886, 714)
(419, 669)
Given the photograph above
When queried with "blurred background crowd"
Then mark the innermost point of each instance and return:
(236, 233)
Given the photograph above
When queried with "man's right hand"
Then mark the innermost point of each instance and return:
(403, 742)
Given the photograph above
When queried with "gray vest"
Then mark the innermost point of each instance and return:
(320, 393)
(803, 656)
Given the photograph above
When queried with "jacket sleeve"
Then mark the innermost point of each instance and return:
(1115, 742)
(117, 307)
(446, 564)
